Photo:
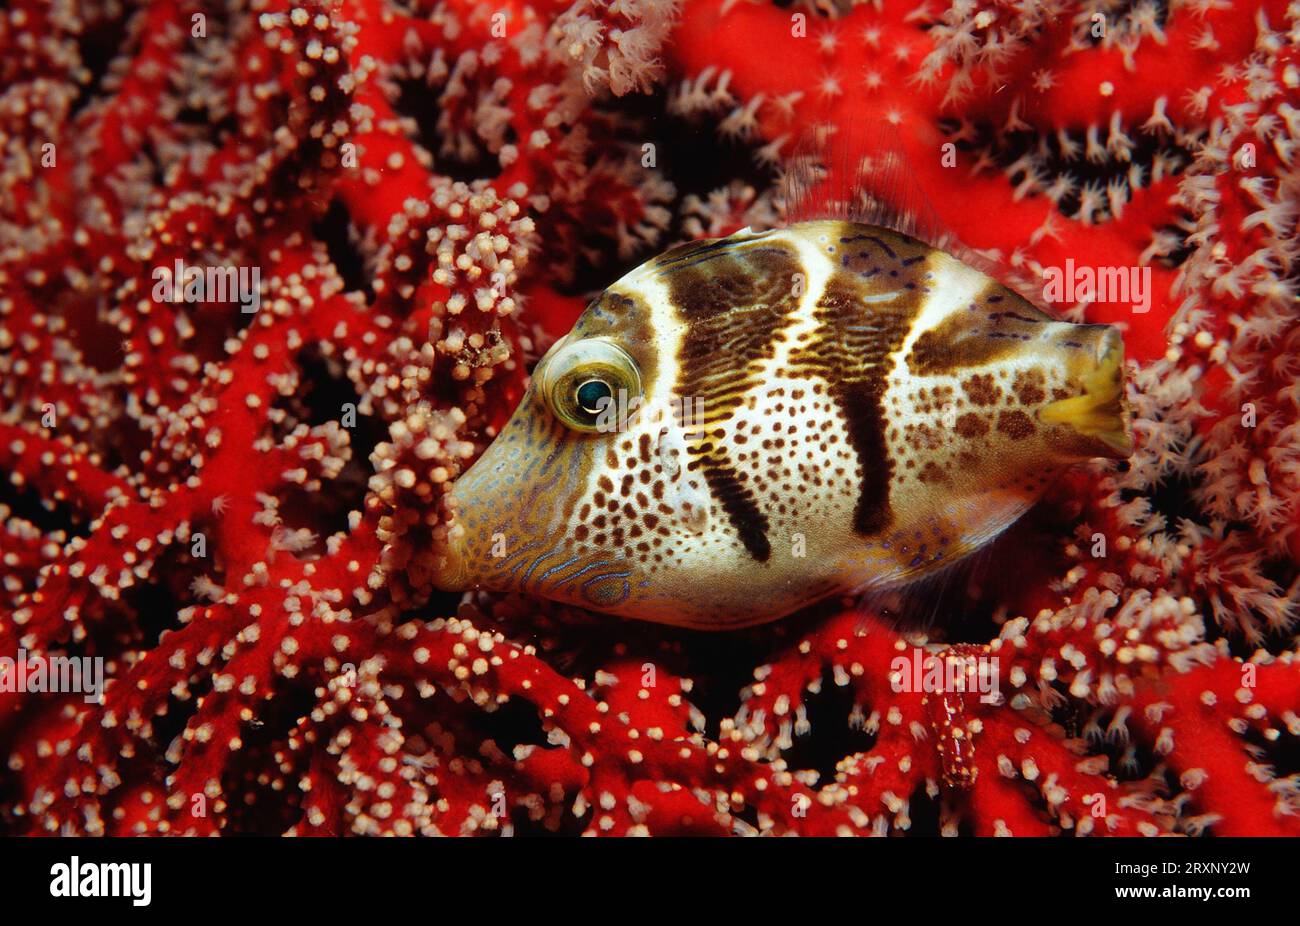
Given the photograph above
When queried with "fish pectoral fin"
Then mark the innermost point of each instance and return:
(1099, 411)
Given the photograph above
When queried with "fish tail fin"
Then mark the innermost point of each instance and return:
(1100, 411)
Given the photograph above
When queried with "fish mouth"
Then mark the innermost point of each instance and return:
(1100, 411)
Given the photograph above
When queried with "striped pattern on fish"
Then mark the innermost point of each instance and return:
(871, 410)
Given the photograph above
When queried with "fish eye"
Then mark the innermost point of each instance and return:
(584, 380)
(591, 395)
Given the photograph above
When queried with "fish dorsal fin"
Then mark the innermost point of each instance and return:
(857, 172)
(861, 172)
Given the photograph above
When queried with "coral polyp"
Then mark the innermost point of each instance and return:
(273, 276)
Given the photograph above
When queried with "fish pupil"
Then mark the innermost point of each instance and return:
(592, 394)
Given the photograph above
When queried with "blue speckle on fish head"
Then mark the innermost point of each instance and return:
(515, 507)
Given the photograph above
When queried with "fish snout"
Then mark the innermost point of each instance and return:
(1098, 411)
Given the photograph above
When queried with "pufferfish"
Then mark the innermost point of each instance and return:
(743, 426)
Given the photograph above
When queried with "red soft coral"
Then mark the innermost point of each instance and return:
(423, 186)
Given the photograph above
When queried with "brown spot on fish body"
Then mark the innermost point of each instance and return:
(922, 437)
(971, 425)
(1015, 424)
(982, 390)
(1028, 387)
(931, 473)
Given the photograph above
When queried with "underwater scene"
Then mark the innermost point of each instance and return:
(649, 418)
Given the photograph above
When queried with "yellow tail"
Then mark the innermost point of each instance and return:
(1100, 410)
